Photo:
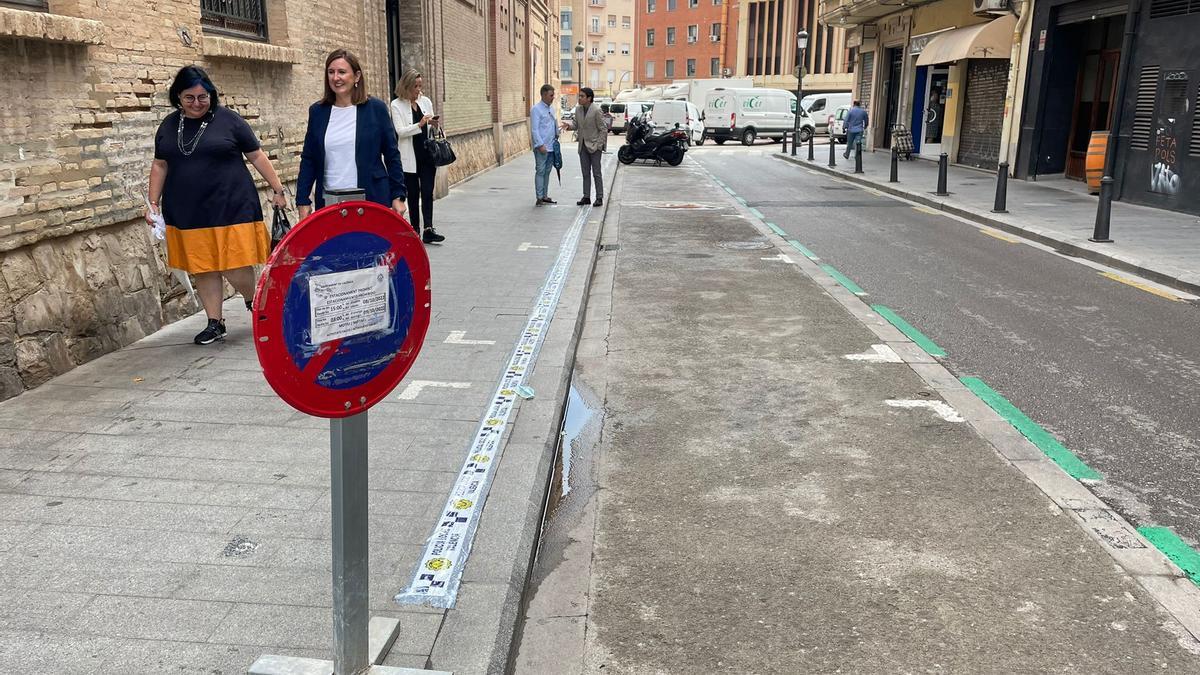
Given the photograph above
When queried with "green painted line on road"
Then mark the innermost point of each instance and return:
(1045, 442)
(800, 247)
(843, 280)
(776, 229)
(741, 200)
(757, 214)
(913, 334)
(730, 190)
(1174, 548)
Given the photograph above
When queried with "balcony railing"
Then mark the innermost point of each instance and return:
(595, 58)
(596, 3)
(843, 12)
(595, 30)
(241, 18)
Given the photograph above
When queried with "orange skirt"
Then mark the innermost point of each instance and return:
(216, 249)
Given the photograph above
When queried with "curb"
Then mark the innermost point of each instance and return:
(1173, 279)
(1162, 580)
(479, 636)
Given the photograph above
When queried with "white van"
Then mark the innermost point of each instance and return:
(625, 111)
(666, 114)
(747, 114)
(821, 106)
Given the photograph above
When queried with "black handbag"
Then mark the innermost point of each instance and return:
(279, 227)
(439, 148)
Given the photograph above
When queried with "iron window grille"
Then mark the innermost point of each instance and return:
(239, 18)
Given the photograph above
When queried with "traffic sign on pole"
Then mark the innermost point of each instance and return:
(340, 314)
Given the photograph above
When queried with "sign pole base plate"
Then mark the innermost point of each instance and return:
(383, 632)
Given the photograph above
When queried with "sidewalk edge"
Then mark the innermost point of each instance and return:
(1170, 278)
(529, 457)
(1143, 563)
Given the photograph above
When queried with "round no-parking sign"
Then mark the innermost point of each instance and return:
(341, 310)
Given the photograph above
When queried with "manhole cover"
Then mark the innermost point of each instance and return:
(745, 245)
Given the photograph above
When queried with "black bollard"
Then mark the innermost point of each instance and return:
(810, 147)
(858, 157)
(793, 144)
(895, 175)
(943, 166)
(832, 150)
(1001, 189)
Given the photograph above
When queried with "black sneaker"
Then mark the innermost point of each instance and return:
(599, 202)
(215, 331)
(432, 237)
(583, 201)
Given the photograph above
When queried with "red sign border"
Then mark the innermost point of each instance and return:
(298, 388)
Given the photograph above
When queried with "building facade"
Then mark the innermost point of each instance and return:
(766, 40)
(87, 88)
(597, 45)
(940, 70)
(686, 39)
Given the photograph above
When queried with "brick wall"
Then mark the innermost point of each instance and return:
(983, 113)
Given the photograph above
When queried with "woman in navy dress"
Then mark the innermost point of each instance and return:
(200, 185)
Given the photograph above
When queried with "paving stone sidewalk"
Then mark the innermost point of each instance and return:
(1161, 245)
(161, 510)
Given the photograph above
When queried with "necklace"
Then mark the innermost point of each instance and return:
(188, 147)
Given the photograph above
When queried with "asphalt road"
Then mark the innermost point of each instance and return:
(1111, 370)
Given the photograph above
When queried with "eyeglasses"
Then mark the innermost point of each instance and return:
(189, 99)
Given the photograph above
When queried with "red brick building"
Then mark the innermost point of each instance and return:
(685, 39)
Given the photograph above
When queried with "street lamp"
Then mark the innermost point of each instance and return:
(801, 46)
(579, 58)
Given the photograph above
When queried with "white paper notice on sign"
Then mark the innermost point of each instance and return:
(345, 304)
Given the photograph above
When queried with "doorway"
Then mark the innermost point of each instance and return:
(895, 59)
(935, 110)
(1094, 89)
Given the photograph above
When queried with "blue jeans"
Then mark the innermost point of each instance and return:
(541, 175)
(852, 138)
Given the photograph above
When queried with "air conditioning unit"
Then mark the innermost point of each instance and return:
(691, 40)
(714, 38)
(990, 6)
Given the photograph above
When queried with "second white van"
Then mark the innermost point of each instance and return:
(749, 114)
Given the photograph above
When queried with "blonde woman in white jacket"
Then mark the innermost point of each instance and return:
(412, 115)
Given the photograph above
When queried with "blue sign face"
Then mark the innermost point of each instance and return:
(358, 358)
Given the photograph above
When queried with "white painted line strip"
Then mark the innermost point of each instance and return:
(415, 387)
(782, 257)
(525, 246)
(456, 338)
(436, 580)
(877, 354)
(942, 408)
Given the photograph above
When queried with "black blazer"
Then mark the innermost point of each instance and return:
(374, 146)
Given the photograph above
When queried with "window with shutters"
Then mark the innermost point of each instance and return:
(240, 18)
(1161, 9)
(1194, 138)
(1143, 116)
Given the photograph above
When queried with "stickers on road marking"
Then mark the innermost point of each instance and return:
(435, 582)
(415, 387)
(456, 338)
(996, 235)
(943, 409)
(877, 354)
(1142, 286)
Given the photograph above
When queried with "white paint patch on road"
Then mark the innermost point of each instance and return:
(943, 409)
(877, 354)
(457, 338)
(525, 246)
(414, 388)
(781, 258)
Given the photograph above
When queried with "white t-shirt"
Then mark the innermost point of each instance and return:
(340, 170)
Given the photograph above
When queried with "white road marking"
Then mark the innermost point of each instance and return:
(877, 354)
(415, 388)
(782, 257)
(525, 246)
(942, 408)
(456, 338)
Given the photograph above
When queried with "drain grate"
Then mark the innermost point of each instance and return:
(757, 245)
(610, 247)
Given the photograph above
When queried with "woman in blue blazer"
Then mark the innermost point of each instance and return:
(350, 142)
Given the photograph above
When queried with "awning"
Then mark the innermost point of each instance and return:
(991, 40)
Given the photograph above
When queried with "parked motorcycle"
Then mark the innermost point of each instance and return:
(642, 143)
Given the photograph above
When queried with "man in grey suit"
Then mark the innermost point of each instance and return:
(592, 133)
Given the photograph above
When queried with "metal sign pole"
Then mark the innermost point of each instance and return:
(348, 478)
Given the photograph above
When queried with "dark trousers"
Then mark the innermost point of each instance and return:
(590, 163)
(420, 194)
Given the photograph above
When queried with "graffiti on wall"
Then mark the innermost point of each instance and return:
(1164, 173)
